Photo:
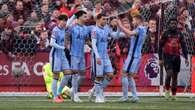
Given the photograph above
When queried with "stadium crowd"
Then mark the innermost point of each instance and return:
(25, 25)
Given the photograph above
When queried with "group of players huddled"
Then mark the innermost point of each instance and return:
(101, 64)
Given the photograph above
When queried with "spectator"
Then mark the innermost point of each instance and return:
(56, 4)
(125, 5)
(98, 8)
(4, 9)
(55, 15)
(7, 40)
(11, 5)
(107, 8)
(19, 11)
(2, 21)
(28, 6)
(53, 20)
(38, 28)
(151, 43)
(88, 5)
(20, 21)
(184, 15)
(190, 1)
(11, 20)
(43, 41)
(69, 12)
(32, 20)
(191, 8)
(44, 13)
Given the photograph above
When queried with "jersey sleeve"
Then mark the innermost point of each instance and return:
(54, 37)
(70, 21)
(94, 41)
(54, 33)
(118, 34)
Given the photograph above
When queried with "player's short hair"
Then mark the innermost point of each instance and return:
(138, 17)
(99, 16)
(63, 17)
(80, 13)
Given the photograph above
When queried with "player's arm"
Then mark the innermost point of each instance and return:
(94, 47)
(70, 21)
(53, 41)
(117, 34)
(94, 41)
(127, 31)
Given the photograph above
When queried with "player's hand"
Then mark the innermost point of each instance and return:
(114, 22)
(161, 62)
(119, 23)
(187, 62)
(98, 61)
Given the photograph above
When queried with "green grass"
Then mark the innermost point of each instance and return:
(146, 103)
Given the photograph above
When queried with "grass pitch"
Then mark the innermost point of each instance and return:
(146, 103)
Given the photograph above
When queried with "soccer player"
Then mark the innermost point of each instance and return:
(79, 32)
(170, 47)
(58, 60)
(101, 62)
(131, 65)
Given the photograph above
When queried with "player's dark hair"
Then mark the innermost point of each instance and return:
(63, 17)
(99, 16)
(80, 13)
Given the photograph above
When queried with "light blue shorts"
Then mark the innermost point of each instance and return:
(58, 61)
(131, 65)
(105, 67)
(78, 63)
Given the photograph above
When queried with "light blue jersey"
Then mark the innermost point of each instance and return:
(134, 56)
(78, 35)
(58, 58)
(100, 38)
(101, 35)
(136, 43)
